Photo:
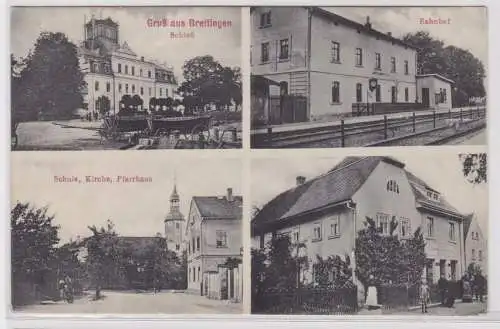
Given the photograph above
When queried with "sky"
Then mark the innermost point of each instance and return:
(441, 170)
(151, 42)
(468, 28)
(136, 209)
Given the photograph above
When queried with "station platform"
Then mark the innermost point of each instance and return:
(290, 127)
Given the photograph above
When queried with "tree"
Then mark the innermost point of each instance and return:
(206, 81)
(385, 258)
(452, 62)
(475, 167)
(33, 240)
(104, 104)
(333, 272)
(51, 81)
(102, 255)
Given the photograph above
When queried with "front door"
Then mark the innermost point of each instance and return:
(425, 97)
(394, 98)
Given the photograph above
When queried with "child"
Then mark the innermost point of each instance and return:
(424, 296)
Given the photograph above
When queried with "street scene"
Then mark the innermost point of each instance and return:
(112, 81)
(345, 81)
(372, 235)
(162, 239)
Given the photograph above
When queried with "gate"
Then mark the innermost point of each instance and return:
(288, 109)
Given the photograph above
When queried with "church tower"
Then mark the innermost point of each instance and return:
(174, 224)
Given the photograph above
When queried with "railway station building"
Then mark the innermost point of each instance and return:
(112, 70)
(323, 62)
(326, 212)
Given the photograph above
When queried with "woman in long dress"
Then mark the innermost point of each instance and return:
(371, 297)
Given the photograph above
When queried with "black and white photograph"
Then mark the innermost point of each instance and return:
(370, 235)
(368, 76)
(125, 78)
(103, 235)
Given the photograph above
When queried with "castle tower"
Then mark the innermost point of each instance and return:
(174, 224)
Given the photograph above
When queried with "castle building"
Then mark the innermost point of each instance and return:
(113, 70)
(174, 224)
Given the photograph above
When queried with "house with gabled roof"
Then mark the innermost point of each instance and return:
(213, 235)
(326, 212)
(476, 244)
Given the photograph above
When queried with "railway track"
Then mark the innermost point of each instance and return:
(380, 131)
(437, 136)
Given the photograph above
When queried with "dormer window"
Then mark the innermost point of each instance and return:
(433, 195)
(393, 186)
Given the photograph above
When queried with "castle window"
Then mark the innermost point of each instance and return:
(126, 69)
(119, 87)
(198, 244)
(97, 86)
(160, 91)
(133, 70)
(133, 89)
(177, 225)
(149, 89)
(177, 247)
(406, 67)
(149, 74)
(108, 87)
(142, 91)
(140, 72)
(407, 97)
(480, 255)
(119, 68)
(126, 88)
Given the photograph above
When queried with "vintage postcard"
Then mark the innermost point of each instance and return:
(126, 78)
(125, 234)
(368, 76)
(390, 235)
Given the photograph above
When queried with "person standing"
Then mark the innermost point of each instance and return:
(371, 297)
(442, 286)
(424, 296)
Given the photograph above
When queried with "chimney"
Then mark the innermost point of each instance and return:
(300, 180)
(230, 194)
(368, 24)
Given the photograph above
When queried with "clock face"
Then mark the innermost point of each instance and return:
(373, 83)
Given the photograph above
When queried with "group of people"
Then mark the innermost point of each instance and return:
(91, 116)
(66, 289)
(470, 286)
